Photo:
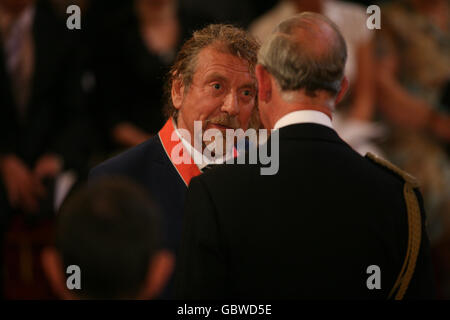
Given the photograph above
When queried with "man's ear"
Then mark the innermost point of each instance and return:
(159, 270)
(264, 83)
(54, 270)
(177, 93)
(343, 91)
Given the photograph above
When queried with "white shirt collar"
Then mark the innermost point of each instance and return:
(303, 116)
(196, 154)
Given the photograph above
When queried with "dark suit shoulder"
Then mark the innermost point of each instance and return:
(375, 170)
(393, 169)
(131, 161)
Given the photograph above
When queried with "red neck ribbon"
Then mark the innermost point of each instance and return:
(170, 139)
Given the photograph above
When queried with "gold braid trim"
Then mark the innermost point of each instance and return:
(414, 227)
(403, 174)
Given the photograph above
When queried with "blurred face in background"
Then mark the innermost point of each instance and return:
(222, 94)
(154, 11)
(15, 7)
(149, 7)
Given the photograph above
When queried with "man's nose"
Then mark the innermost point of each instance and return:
(231, 104)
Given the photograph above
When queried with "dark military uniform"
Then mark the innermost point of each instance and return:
(311, 231)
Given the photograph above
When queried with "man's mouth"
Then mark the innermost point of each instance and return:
(220, 127)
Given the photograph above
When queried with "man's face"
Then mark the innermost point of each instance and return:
(221, 95)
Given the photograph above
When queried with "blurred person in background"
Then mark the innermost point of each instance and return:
(41, 108)
(135, 49)
(99, 19)
(413, 74)
(110, 230)
(41, 100)
(236, 12)
(354, 114)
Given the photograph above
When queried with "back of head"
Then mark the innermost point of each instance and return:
(110, 230)
(306, 51)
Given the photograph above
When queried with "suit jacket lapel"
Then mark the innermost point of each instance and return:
(186, 171)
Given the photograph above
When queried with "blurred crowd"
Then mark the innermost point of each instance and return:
(69, 99)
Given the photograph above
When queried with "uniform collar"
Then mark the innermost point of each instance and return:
(303, 116)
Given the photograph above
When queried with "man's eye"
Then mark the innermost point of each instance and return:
(217, 86)
(247, 92)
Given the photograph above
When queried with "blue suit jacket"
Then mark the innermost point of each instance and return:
(148, 165)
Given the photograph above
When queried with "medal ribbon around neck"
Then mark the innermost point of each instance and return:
(186, 170)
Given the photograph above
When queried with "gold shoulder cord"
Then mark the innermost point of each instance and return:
(414, 227)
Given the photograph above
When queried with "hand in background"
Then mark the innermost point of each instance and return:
(22, 187)
(48, 166)
(129, 135)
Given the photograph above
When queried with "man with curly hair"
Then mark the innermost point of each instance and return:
(212, 81)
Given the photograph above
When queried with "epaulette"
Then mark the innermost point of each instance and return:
(392, 167)
(414, 227)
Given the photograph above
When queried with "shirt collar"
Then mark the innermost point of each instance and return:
(200, 160)
(303, 116)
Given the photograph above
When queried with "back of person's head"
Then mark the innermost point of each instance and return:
(306, 51)
(110, 230)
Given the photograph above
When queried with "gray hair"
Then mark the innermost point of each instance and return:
(308, 62)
